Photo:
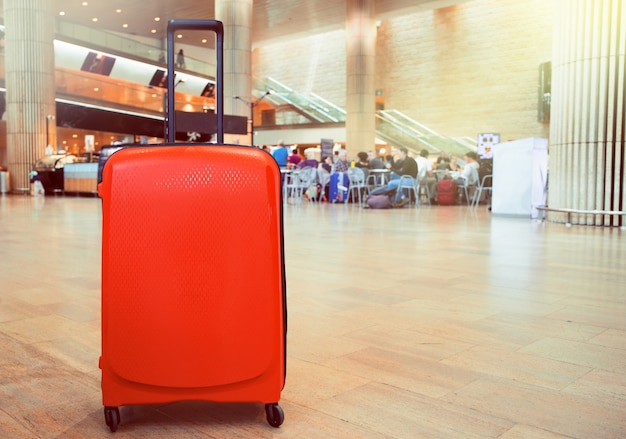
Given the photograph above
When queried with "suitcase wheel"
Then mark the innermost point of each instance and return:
(112, 417)
(274, 414)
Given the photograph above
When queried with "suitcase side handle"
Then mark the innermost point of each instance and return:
(210, 25)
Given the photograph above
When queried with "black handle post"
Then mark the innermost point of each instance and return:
(210, 25)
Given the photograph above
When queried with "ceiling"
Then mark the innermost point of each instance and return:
(272, 19)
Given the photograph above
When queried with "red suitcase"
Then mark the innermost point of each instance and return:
(446, 192)
(193, 282)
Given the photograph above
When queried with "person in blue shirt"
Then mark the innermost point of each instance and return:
(281, 155)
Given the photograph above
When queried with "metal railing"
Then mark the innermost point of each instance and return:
(570, 212)
(116, 43)
(398, 129)
(308, 107)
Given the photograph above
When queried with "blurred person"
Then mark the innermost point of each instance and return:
(374, 161)
(342, 164)
(310, 159)
(180, 59)
(443, 161)
(294, 157)
(403, 165)
(453, 165)
(470, 170)
(426, 175)
(281, 154)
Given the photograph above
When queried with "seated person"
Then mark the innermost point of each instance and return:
(342, 164)
(327, 164)
(404, 165)
(280, 154)
(453, 165)
(375, 162)
(363, 160)
(363, 163)
(426, 175)
(443, 161)
(470, 170)
(324, 170)
(294, 158)
(310, 160)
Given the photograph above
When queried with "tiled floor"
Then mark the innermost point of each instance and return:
(437, 322)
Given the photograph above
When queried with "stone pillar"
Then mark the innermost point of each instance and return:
(360, 76)
(30, 85)
(587, 121)
(237, 18)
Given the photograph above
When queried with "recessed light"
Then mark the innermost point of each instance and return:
(153, 31)
(85, 3)
(204, 40)
(119, 11)
(62, 13)
(157, 18)
(94, 19)
(179, 36)
(96, 89)
(125, 25)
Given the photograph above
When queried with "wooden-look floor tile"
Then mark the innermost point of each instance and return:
(517, 366)
(310, 383)
(431, 322)
(611, 338)
(414, 373)
(526, 432)
(41, 328)
(403, 414)
(600, 385)
(584, 354)
(557, 412)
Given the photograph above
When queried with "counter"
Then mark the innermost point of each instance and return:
(80, 177)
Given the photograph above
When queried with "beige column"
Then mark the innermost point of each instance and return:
(237, 18)
(587, 121)
(360, 76)
(30, 85)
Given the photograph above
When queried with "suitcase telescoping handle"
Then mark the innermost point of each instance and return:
(173, 26)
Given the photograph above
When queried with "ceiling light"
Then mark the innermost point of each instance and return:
(153, 31)
(62, 13)
(125, 25)
(94, 19)
(157, 18)
(179, 36)
(96, 89)
(204, 40)
(119, 11)
(85, 3)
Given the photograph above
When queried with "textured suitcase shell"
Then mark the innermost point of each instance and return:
(193, 302)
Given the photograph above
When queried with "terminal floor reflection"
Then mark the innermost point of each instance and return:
(435, 322)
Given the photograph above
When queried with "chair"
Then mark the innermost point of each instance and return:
(298, 182)
(483, 185)
(357, 183)
(463, 183)
(423, 189)
(323, 178)
(410, 186)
